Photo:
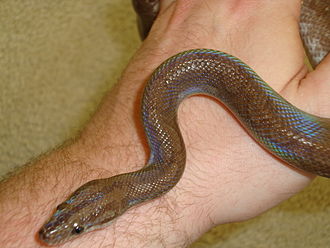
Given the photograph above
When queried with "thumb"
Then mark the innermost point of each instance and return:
(314, 89)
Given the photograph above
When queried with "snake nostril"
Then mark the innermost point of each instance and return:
(41, 234)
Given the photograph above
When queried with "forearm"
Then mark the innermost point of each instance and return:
(109, 145)
(28, 198)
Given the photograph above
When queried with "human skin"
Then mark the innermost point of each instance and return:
(228, 177)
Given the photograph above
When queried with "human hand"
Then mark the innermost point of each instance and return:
(228, 177)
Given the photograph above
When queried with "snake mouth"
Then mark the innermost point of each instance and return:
(50, 237)
(43, 236)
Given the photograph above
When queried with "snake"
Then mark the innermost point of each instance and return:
(296, 137)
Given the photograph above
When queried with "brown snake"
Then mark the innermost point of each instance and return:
(300, 139)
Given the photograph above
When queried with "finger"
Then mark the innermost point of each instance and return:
(314, 89)
(323, 69)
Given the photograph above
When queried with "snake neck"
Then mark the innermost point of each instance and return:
(152, 182)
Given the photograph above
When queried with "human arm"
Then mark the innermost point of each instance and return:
(224, 168)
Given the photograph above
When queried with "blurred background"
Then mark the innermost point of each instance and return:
(59, 58)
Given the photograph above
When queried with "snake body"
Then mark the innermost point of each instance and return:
(299, 138)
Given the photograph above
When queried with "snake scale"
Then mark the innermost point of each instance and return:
(300, 139)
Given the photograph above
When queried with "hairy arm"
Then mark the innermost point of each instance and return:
(228, 177)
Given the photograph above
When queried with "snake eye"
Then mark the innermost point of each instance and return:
(77, 230)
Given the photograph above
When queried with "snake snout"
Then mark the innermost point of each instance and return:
(47, 236)
(52, 233)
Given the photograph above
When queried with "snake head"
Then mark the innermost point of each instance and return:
(90, 207)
